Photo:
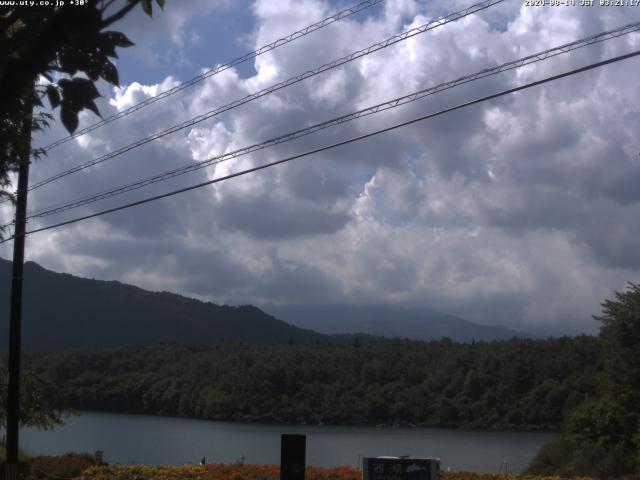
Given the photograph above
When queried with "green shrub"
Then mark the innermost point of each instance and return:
(567, 458)
(23, 455)
(23, 461)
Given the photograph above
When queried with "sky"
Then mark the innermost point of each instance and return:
(520, 211)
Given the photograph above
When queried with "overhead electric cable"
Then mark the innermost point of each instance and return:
(221, 68)
(334, 145)
(530, 59)
(286, 83)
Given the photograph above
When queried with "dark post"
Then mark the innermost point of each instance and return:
(13, 388)
(292, 457)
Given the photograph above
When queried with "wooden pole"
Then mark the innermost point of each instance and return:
(15, 322)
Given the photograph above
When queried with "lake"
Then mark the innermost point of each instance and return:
(139, 439)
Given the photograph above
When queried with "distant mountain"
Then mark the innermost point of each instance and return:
(63, 311)
(388, 321)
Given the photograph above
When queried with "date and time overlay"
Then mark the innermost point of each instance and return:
(526, 3)
(581, 3)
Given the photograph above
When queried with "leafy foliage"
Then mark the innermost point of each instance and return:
(23, 461)
(519, 384)
(23, 455)
(40, 403)
(57, 53)
(620, 334)
(601, 437)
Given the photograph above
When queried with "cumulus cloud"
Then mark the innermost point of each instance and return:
(164, 37)
(520, 211)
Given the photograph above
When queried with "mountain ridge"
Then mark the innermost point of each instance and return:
(62, 311)
(416, 323)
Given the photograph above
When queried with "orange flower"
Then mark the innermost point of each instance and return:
(222, 471)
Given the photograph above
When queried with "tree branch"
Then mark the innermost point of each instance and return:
(104, 7)
(118, 15)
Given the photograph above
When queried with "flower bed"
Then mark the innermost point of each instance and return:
(259, 472)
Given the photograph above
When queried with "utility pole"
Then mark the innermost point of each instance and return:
(15, 322)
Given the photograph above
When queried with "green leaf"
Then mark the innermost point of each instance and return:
(110, 73)
(118, 39)
(93, 107)
(78, 91)
(78, 94)
(71, 60)
(93, 70)
(106, 45)
(54, 96)
(14, 28)
(146, 6)
(160, 3)
(69, 118)
(84, 88)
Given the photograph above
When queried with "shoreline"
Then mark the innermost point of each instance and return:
(408, 426)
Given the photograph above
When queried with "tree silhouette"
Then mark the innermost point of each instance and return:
(58, 53)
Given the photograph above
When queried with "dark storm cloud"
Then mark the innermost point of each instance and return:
(269, 217)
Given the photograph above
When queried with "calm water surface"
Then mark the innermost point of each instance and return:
(149, 440)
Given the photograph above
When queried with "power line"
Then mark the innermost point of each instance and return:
(338, 144)
(530, 59)
(221, 68)
(296, 79)
(286, 83)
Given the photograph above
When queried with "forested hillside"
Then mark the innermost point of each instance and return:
(64, 311)
(522, 384)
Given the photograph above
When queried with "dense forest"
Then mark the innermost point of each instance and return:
(517, 384)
